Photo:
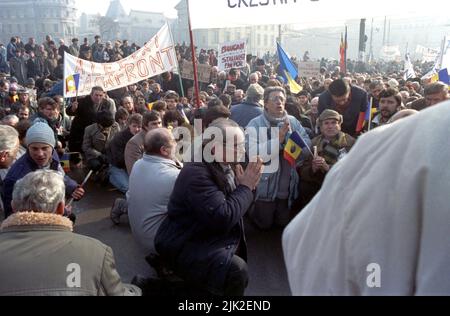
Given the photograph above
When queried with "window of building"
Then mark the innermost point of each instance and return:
(259, 40)
(55, 27)
(266, 40)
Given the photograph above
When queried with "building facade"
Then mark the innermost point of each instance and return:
(260, 39)
(37, 18)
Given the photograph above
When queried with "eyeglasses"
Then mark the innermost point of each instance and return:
(277, 98)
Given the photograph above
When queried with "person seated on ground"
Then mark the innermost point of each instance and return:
(23, 113)
(121, 118)
(332, 145)
(63, 121)
(10, 120)
(38, 233)
(202, 237)
(128, 104)
(171, 98)
(375, 229)
(41, 154)
(173, 119)
(157, 170)
(160, 107)
(22, 128)
(157, 94)
(142, 106)
(84, 112)
(9, 149)
(96, 139)
(118, 175)
(390, 104)
(134, 151)
(24, 100)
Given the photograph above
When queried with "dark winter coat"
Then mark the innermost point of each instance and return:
(358, 103)
(204, 228)
(24, 166)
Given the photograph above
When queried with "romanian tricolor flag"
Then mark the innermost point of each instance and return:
(294, 148)
(288, 70)
(65, 162)
(343, 52)
(365, 117)
(72, 83)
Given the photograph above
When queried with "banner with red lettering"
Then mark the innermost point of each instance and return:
(232, 55)
(156, 57)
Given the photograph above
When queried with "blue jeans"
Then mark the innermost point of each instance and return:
(119, 179)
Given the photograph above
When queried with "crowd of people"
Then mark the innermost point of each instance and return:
(185, 189)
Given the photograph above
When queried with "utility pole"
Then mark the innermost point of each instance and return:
(371, 44)
(362, 40)
(384, 31)
(280, 35)
(389, 34)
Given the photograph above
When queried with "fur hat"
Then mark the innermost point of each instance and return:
(330, 115)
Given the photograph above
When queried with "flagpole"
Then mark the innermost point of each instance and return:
(345, 51)
(194, 62)
(178, 64)
(370, 115)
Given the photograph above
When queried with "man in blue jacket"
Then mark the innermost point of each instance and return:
(41, 154)
(202, 239)
(279, 186)
(349, 101)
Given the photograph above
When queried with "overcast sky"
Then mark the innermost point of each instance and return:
(101, 6)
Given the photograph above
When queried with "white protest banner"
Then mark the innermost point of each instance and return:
(232, 55)
(309, 69)
(156, 57)
(427, 54)
(391, 53)
(303, 13)
(187, 71)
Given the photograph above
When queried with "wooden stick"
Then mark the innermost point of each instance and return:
(81, 185)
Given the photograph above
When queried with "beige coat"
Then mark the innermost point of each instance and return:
(381, 223)
(95, 142)
(134, 150)
(39, 255)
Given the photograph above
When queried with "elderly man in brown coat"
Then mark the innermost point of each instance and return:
(40, 255)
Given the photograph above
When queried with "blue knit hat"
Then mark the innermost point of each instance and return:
(40, 133)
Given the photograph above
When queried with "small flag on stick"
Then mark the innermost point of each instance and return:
(294, 148)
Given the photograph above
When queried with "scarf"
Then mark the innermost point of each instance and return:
(275, 121)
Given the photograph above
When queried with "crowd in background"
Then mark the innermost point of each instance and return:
(115, 133)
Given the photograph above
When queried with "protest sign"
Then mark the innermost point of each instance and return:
(232, 55)
(309, 69)
(187, 71)
(156, 57)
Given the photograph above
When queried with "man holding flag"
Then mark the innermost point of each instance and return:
(329, 147)
(278, 187)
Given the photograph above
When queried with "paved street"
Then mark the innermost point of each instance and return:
(266, 265)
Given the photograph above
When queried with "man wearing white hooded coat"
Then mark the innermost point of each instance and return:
(381, 223)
